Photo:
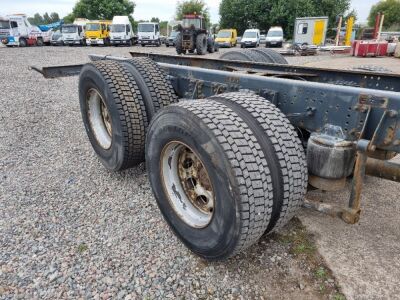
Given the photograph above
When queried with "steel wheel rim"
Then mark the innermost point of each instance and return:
(99, 118)
(187, 184)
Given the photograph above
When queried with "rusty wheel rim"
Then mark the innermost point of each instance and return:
(187, 184)
(99, 119)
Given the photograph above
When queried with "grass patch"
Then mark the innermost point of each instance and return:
(82, 248)
(321, 273)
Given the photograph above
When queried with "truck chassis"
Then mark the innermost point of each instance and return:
(347, 124)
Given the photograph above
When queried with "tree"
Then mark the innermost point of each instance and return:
(54, 17)
(155, 20)
(188, 7)
(102, 9)
(243, 14)
(45, 19)
(391, 10)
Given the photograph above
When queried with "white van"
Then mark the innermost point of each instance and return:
(251, 38)
(274, 37)
(121, 31)
(149, 34)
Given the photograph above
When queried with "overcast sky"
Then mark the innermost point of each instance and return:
(145, 9)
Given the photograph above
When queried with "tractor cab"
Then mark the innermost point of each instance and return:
(193, 22)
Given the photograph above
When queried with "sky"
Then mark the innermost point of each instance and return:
(145, 9)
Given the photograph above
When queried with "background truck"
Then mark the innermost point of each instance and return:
(149, 34)
(121, 31)
(74, 34)
(98, 33)
(226, 38)
(19, 32)
(311, 31)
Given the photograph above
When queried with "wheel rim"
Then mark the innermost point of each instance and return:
(99, 118)
(187, 184)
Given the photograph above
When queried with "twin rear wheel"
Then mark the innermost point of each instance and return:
(118, 101)
(224, 170)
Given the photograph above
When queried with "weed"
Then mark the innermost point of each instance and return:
(82, 248)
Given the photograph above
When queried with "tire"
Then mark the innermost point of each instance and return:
(282, 149)
(120, 145)
(156, 90)
(178, 46)
(201, 44)
(232, 167)
(129, 43)
(143, 45)
(271, 56)
(22, 42)
(211, 48)
(39, 42)
(167, 45)
(243, 55)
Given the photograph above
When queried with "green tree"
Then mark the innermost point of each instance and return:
(45, 19)
(391, 10)
(69, 19)
(36, 20)
(102, 9)
(188, 7)
(155, 20)
(242, 14)
(54, 17)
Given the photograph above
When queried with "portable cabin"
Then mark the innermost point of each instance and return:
(311, 31)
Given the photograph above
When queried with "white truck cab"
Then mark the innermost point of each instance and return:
(15, 30)
(74, 34)
(121, 31)
(149, 34)
(274, 37)
(251, 38)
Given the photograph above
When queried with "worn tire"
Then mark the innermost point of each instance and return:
(201, 44)
(125, 108)
(272, 56)
(156, 90)
(178, 46)
(243, 55)
(237, 169)
(282, 148)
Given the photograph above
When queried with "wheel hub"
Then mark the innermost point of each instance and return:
(187, 184)
(99, 118)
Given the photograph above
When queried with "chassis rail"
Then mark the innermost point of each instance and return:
(363, 107)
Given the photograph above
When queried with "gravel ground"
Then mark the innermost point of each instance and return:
(69, 228)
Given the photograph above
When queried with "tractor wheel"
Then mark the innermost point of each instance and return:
(272, 56)
(210, 48)
(113, 114)
(282, 149)
(210, 177)
(201, 44)
(155, 88)
(178, 46)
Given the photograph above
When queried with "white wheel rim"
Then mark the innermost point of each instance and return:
(187, 185)
(99, 119)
